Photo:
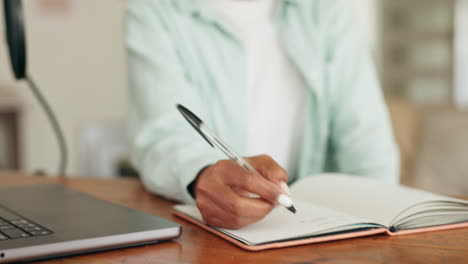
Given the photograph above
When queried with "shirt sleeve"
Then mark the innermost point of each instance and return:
(361, 136)
(165, 150)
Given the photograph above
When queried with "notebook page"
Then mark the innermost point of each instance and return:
(281, 224)
(361, 197)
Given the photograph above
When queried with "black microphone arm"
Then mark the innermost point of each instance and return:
(54, 123)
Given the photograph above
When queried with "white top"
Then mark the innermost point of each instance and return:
(276, 92)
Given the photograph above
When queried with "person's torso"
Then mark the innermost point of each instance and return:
(214, 62)
(274, 89)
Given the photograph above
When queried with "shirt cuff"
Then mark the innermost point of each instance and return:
(191, 169)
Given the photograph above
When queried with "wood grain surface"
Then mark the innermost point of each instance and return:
(198, 246)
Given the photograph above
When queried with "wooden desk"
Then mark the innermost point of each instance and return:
(198, 246)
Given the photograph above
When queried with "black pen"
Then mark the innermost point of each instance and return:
(213, 140)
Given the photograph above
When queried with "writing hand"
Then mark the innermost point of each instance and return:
(220, 191)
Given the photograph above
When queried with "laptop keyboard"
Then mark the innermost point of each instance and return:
(13, 226)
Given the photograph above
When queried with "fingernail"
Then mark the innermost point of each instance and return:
(285, 187)
(284, 200)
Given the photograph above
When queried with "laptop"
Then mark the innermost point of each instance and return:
(47, 221)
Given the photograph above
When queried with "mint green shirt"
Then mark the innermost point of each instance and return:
(181, 51)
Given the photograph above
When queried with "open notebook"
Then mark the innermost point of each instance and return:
(332, 207)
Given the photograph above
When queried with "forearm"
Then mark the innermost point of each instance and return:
(169, 161)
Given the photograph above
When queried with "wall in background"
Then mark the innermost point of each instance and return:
(417, 51)
(461, 54)
(77, 57)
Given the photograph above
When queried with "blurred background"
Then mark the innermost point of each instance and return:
(77, 57)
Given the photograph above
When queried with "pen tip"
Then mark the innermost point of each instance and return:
(292, 209)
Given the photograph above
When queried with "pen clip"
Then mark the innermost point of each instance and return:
(194, 121)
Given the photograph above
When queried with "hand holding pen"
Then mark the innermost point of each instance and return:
(220, 187)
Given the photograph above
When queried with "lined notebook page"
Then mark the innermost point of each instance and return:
(361, 197)
(281, 224)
